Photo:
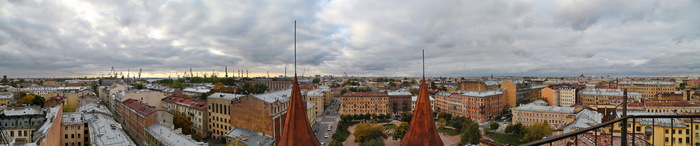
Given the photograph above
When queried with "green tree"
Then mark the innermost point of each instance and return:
(38, 100)
(139, 86)
(406, 117)
(368, 131)
(68, 108)
(26, 99)
(335, 143)
(536, 132)
(400, 131)
(260, 88)
(316, 81)
(494, 126)
(470, 133)
(184, 122)
(441, 123)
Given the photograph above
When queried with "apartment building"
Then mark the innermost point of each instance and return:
(540, 112)
(516, 92)
(194, 109)
(219, 113)
(400, 102)
(267, 111)
(476, 85)
(481, 105)
(273, 84)
(21, 122)
(590, 96)
(364, 102)
(648, 89)
(137, 116)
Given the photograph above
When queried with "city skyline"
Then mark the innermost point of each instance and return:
(360, 38)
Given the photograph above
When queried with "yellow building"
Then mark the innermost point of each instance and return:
(6, 98)
(74, 130)
(516, 92)
(317, 97)
(219, 110)
(550, 96)
(364, 102)
(662, 131)
(648, 89)
(311, 112)
(478, 85)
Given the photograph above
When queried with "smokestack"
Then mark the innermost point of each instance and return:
(246, 74)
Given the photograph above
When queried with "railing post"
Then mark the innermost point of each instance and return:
(623, 135)
(673, 139)
(653, 125)
(612, 127)
(634, 129)
(692, 136)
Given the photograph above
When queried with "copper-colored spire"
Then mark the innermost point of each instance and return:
(422, 130)
(297, 130)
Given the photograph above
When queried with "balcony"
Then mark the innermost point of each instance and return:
(639, 130)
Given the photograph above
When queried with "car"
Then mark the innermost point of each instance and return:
(326, 136)
(329, 128)
(322, 143)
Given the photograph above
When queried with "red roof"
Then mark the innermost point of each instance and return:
(676, 103)
(189, 102)
(365, 94)
(139, 107)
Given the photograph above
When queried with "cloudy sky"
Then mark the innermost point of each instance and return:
(46, 38)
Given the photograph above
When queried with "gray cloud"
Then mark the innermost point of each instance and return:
(473, 38)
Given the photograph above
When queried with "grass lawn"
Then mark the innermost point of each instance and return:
(450, 132)
(505, 138)
(389, 126)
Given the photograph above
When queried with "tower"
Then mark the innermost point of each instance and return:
(422, 130)
(297, 130)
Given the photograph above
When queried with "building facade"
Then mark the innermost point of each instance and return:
(364, 102)
(267, 110)
(400, 102)
(482, 105)
(516, 92)
(535, 112)
(137, 116)
(648, 89)
(194, 109)
(590, 96)
(219, 113)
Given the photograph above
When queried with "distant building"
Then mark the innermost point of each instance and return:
(364, 103)
(195, 92)
(6, 98)
(605, 96)
(516, 92)
(273, 84)
(479, 85)
(680, 107)
(540, 112)
(648, 89)
(400, 102)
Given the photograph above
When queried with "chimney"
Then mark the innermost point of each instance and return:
(189, 137)
(260, 133)
(178, 131)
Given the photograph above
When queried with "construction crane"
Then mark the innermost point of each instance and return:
(191, 74)
(140, 74)
(302, 72)
(226, 70)
(346, 74)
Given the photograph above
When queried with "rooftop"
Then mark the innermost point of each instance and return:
(139, 107)
(225, 96)
(168, 136)
(533, 107)
(271, 97)
(414, 98)
(584, 119)
(250, 137)
(23, 111)
(365, 94)
(44, 129)
(647, 82)
(665, 122)
(6, 95)
(104, 131)
(399, 93)
(671, 103)
(188, 102)
(197, 89)
(315, 92)
(481, 93)
(607, 92)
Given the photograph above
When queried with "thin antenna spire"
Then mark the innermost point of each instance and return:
(295, 47)
(423, 63)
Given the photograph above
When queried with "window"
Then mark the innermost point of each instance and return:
(66, 137)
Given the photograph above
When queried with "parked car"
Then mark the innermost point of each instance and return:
(326, 136)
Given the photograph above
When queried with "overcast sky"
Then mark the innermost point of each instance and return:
(45, 38)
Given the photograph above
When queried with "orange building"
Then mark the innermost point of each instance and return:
(516, 92)
(364, 102)
(478, 85)
(481, 105)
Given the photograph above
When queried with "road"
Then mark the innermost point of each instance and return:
(329, 117)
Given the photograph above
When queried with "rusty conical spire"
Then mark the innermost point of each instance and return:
(297, 131)
(422, 130)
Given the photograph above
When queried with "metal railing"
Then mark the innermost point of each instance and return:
(597, 135)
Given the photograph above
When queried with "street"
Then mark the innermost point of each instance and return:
(329, 117)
